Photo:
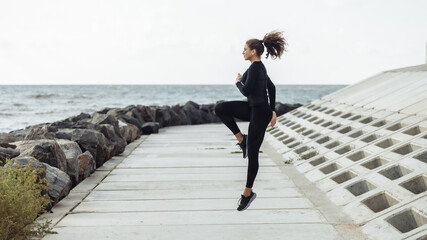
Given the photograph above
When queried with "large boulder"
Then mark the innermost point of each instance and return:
(19, 134)
(146, 114)
(192, 112)
(284, 108)
(129, 131)
(87, 165)
(104, 110)
(109, 126)
(180, 117)
(7, 153)
(150, 127)
(130, 120)
(43, 132)
(79, 121)
(72, 151)
(44, 150)
(6, 138)
(206, 111)
(91, 140)
(135, 112)
(99, 118)
(116, 139)
(66, 123)
(112, 111)
(215, 117)
(163, 116)
(59, 182)
(81, 116)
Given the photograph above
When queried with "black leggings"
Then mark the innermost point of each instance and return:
(259, 117)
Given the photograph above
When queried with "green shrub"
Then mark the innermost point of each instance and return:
(23, 196)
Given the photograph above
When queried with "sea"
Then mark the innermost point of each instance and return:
(24, 105)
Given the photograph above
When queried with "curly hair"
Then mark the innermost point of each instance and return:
(274, 42)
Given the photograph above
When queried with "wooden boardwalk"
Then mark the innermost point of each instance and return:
(184, 183)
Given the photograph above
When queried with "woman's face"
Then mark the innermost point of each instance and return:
(248, 53)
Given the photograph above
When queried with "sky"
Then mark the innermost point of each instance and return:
(201, 42)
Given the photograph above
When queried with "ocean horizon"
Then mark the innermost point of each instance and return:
(24, 105)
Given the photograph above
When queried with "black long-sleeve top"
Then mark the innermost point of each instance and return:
(254, 85)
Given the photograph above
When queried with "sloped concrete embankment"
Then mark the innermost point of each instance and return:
(365, 146)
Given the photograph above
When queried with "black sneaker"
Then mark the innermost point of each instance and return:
(242, 145)
(244, 202)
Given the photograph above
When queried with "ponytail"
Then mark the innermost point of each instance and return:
(273, 41)
(275, 44)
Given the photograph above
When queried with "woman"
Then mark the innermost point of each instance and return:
(253, 84)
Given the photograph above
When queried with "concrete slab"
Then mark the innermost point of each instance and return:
(192, 170)
(218, 184)
(206, 232)
(186, 194)
(192, 176)
(262, 203)
(189, 162)
(193, 218)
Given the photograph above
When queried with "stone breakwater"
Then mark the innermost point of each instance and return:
(70, 150)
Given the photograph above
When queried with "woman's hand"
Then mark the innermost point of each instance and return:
(273, 119)
(239, 78)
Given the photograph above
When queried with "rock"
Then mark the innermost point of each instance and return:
(163, 116)
(181, 118)
(6, 138)
(129, 131)
(145, 113)
(284, 108)
(7, 153)
(150, 127)
(91, 140)
(19, 134)
(175, 118)
(72, 151)
(40, 125)
(59, 182)
(81, 116)
(40, 133)
(104, 110)
(79, 121)
(114, 112)
(215, 117)
(206, 113)
(87, 165)
(44, 150)
(130, 120)
(136, 117)
(7, 145)
(66, 123)
(152, 110)
(115, 138)
(99, 118)
(192, 112)
(109, 126)
(65, 133)
(134, 112)
(128, 108)
(84, 124)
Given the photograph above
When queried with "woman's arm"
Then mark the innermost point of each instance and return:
(252, 74)
(272, 95)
